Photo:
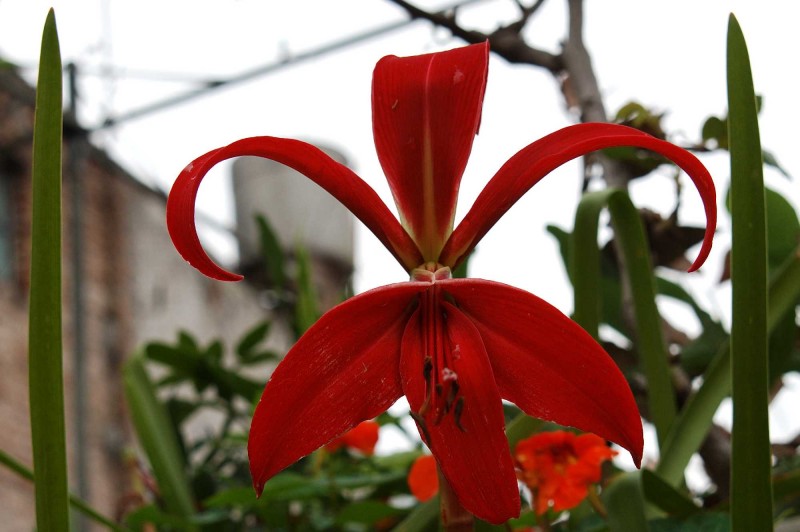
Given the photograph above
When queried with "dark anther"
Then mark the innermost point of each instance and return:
(427, 369)
(457, 411)
(451, 396)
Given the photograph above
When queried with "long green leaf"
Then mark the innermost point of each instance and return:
(751, 489)
(629, 233)
(46, 386)
(694, 421)
(76, 502)
(155, 433)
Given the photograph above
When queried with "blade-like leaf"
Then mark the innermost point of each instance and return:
(306, 312)
(272, 252)
(751, 489)
(692, 424)
(665, 496)
(46, 386)
(586, 270)
(76, 502)
(155, 433)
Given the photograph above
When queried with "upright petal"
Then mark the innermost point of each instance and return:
(310, 161)
(547, 365)
(468, 440)
(536, 160)
(425, 113)
(341, 372)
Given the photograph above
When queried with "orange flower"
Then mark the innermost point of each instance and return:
(423, 479)
(362, 438)
(558, 467)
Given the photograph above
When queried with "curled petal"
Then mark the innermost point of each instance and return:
(341, 372)
(532, 163)
(310, 161)
(426, 111)
(468, 441)
(547, 365)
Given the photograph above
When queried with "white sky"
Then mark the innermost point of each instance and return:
(669, 55)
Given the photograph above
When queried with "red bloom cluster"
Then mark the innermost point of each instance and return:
(559, 466)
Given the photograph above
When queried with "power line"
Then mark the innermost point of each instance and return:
(269, 68)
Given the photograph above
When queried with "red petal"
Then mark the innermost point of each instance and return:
(425, 113)
(341, 372)
(474, 457)
(536, 160)
(547, 365)
(310, 161)
(423, 480)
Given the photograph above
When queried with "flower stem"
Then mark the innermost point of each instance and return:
(454, 517)
(596, 503)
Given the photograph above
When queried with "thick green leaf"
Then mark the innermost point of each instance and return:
(695, 419)
(751, 487)
(625, 503)
(45, 373)
(665, 497)
(630, 234)
(155, 434)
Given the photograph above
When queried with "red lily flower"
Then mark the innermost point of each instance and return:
(453, 347)
(361, 438)
(558, 467)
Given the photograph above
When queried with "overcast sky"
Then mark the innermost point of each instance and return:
(669, 55)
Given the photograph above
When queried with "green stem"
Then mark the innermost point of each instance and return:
(454, 517)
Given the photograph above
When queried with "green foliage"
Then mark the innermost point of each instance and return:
(751, 489)
(46, 387)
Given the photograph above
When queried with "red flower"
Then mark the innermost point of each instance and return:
(453, 347)
(423, 480)
(558, 467)
(362, 438)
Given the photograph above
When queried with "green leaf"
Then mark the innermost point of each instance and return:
(155, 433)
(273, 253)
(306, 311)
(661, 494)
(691, 426)
(251, 339)
(45, 373)
(76, 502)
(630, 234)
(783, 228)
(751, 487)
(706, 522)
(624, 501)
(366, 512)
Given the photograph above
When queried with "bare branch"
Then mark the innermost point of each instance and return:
(505, 41)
